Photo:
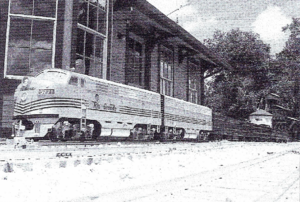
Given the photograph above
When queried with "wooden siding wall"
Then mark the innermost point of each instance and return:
(3, 82)
(180, 78)
(117, 67)
(59, 34)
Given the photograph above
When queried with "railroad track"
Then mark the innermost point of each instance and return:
(82, 150)
(62, 143)
(203, 182)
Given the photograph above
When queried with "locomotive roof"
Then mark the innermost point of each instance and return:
(114, 83)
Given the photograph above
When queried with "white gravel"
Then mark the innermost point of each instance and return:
(204, 172)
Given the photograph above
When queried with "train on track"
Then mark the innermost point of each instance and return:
(62, 105)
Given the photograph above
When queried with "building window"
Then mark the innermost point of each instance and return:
(192, 88)
(134, 70)
(31, 31)
(166, 71)
(91, 36)
(193, 95)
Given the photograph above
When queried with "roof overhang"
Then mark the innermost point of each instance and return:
(144, 15)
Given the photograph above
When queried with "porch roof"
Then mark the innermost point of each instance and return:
(163, 24)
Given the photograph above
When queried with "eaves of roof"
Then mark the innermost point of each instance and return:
(261, 112)
(153, 13)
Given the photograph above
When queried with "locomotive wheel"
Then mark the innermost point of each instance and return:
(52, 137)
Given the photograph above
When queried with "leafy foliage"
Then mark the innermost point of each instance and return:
(291, 52)
(236, 92)
(288, 68)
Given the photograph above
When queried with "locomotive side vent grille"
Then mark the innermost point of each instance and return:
(135, 111)
(47, 103)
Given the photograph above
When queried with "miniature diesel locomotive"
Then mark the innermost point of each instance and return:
(63, 105)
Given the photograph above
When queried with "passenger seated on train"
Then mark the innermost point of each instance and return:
(79, 66)
(25, 83)
(89, 130)
(181, 132)
(170, 134)
(140, 134)
(66, 129)
(76, 129)
(151, 133)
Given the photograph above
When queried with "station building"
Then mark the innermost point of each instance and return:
(125, 41)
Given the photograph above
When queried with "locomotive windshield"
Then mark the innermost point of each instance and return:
(58, 77)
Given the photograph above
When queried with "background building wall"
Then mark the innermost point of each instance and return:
(180, 78)
(7, 86)
(117, 69)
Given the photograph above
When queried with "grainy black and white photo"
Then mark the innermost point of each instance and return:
(150, 100)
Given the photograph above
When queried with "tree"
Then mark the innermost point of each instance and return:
(291, 51)
(235, 92)
(288, 64)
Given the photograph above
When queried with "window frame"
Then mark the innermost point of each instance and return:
(166, 82)
(31, 17)
(95, 33)
(193, 92)
(192, 84)
(72, 79)
(137, 60)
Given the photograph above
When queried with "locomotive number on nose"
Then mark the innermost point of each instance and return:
(46, 91)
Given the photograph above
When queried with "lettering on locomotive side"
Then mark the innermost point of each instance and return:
(109, 107)
(63, 155)
(96, 105)
(46, 91)
(105, 107)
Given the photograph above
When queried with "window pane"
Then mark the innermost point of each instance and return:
(59, 77)
(102, 4)
(21, 7)
(42, 34)
(89, 44)
(73, 81)
(82, 82)
(18, 61)
(165, 70)
(96, 69)
(82, 14)
(169, 71)
(41, 45)
(30, 42)
(168, 88)
(40, 59)
(92, 17)
(130, 44)
(19, 38)
(138, 48)
(87, 64)
(101, 21)
(80, 65)
(80, 41)
(99, 48)
(45, 8)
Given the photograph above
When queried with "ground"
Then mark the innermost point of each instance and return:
(224, 171)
